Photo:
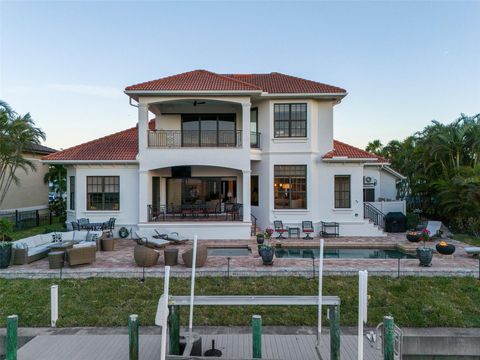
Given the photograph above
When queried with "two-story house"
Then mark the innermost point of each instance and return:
(211, 153)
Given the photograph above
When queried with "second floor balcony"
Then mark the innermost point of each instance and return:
(198, 139)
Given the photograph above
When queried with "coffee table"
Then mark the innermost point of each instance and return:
(61, 246)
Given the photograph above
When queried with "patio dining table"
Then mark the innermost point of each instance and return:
(93, 226)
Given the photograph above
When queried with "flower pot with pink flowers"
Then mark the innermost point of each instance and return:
(425, 253)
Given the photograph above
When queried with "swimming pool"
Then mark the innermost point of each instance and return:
(339, 253)
(228, 251)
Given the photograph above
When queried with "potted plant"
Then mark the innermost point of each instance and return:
(260, 238)
(266, 250)
(445, 248)
(6, 228)
(425, 253)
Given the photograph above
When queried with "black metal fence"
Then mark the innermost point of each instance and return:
(28, 219)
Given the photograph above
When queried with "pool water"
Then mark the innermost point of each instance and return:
(341, 253)
(238, 251)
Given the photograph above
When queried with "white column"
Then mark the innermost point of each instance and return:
(143, 196)
(142, 126)
(246, 126)
(246, 195)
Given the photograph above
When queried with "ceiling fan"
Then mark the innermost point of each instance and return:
(195, 103)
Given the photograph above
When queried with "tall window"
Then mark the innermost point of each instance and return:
(72, 192)
(254, 190)
(290, 120)
(103, 193)
(290, 186)
(254, 136)
(342, 191)
(209, 130)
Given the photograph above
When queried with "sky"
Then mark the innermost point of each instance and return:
(402, 63)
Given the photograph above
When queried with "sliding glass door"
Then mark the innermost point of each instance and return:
(209, 130)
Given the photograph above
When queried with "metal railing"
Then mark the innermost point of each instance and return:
(373, 214)
(200, 212)
(196, 138)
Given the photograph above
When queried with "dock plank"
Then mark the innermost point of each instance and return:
(236, 346)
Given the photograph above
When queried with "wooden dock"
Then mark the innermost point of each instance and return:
(233, 346)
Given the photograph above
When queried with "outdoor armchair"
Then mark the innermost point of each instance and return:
(307, 229)
(279, 229)
(81, 254)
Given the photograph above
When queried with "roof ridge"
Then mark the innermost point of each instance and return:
(310, 81)
(236, 80)
(191, 72)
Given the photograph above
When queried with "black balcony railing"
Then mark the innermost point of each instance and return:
(203, 138)
(194, 138)
(195, 212)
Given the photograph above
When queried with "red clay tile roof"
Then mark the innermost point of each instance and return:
(202, 80)
(277, 83)
(197, 80)
(341, 149)
(120, 146)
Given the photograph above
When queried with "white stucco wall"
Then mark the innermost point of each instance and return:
(128, 213)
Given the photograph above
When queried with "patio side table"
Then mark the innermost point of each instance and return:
(55, 259)
(171, 257)
(294, 231)
(108, 244)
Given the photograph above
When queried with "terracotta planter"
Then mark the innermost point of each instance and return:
(425, 256)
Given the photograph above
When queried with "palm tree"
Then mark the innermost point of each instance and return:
(17, 132)
(375, 147)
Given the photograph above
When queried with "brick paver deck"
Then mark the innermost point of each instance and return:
(120, 263)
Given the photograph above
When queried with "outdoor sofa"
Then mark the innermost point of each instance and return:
(37, 247)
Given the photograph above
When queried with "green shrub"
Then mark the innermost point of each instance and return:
(412, 220)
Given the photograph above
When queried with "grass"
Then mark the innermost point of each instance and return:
(467, 239)
(413, 301)
(23, 233)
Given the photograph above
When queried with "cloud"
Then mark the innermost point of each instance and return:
(101, 91)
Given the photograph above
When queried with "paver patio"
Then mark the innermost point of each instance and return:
(120, 263)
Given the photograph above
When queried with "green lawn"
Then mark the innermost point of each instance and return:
(56, 226)
(467, 239)
(413, 301)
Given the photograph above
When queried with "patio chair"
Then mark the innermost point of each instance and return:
(145, 256)
(434, 228)
(279, 229)
(202, 254)
(81, 254)
(307, 229)
(83, 223)
(75, 226)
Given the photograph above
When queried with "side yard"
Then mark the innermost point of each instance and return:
(413, 301)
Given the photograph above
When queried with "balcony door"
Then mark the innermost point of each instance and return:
(209, 130)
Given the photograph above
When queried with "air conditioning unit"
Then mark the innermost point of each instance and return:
(367, 180)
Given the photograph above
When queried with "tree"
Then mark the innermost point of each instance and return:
(375, 147)
(57, 176)
(17, 132)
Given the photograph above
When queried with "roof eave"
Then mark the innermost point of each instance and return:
(347, 159)
(136, 93)
(72, 162)
(335, 96)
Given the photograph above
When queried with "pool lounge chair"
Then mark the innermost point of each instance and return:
(150, 238)
(434, 228)
(473, 250)
(173, 237)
